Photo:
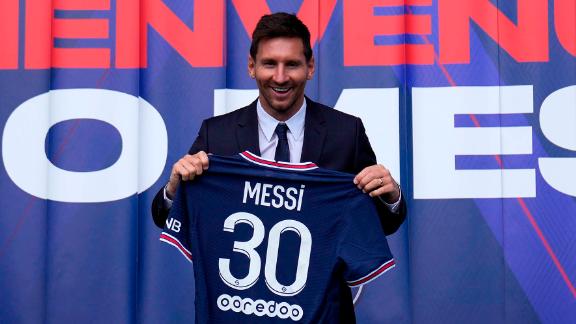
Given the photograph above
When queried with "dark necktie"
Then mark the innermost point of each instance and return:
(282, 149)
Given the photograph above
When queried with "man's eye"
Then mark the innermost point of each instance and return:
(293, 65)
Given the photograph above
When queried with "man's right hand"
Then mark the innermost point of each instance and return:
(186, 169)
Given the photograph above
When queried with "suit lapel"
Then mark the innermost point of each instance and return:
(314, 133)
(247, 130)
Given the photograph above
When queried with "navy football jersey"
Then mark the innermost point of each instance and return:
(273, 241)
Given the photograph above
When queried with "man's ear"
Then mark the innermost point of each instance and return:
(311, 68)
(251, 64)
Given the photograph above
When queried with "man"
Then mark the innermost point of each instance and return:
(281, 62)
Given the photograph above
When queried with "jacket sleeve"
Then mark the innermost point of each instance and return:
(159, 210)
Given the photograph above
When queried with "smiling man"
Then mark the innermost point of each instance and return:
(281, 69)
(284, 125)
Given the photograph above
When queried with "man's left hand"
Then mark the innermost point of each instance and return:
(376, 180)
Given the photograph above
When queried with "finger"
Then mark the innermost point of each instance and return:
(184, 170)
(203, 159)
(361, 175)
(389, 193)
(368, 178)
(382, 175)
(196, 166)
(175, 177)
(199, 161)
(176, 172)
(372, 185)
(173, 183)
(188, 159)
(192, 165)
(383, 190)
(363, 178)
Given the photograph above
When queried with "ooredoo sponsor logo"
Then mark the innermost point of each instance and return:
(259, 307)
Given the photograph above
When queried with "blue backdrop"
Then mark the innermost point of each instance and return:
(471, 104)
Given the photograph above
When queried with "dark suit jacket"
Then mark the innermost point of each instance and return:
(332, 140)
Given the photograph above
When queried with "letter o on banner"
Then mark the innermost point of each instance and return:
(143, 156)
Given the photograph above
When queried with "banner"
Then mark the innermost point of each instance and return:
(470, 103)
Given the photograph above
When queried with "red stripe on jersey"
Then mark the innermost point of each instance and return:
(174, 242)
(297, 166)
(383, 268)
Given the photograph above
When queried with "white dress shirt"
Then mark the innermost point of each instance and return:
(268, 140)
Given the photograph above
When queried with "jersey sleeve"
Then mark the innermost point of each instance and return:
(177, 227)
(364, 248)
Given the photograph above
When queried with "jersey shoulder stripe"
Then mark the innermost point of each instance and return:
(253, 158)
(374, 274)
(167, 238)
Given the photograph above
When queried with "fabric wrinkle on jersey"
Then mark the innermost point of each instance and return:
(272, 241)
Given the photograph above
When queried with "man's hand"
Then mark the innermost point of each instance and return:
(186, 169)
(377, 181)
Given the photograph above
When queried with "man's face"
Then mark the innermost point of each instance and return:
(281, 72)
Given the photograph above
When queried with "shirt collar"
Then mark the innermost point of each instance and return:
(268, 123)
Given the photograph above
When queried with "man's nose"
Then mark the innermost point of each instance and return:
(280, 75)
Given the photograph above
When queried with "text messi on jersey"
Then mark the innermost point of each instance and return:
(277, 196)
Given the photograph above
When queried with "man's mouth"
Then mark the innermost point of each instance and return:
(280, 90)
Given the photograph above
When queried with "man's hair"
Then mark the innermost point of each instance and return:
(280, 24)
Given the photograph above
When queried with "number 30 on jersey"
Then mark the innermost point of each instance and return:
(248, 248)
